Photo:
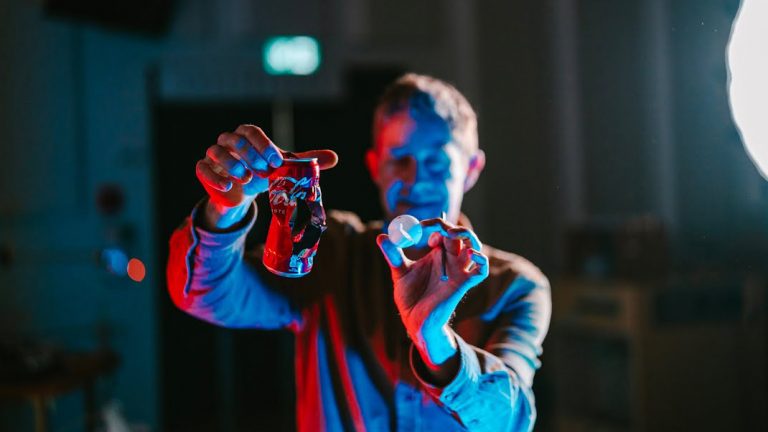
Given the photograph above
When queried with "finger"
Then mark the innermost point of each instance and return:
(454, 244)
(453, 247)
(464, 243)
(434, 240)
(436, 225)
(209, 177)
(327, 159)
(450, 231)
(439, 235)
(394, 255)
(476, 268)
(478, 264)
(231, 166)
(242, 148)
(465, 234)
(261, 142)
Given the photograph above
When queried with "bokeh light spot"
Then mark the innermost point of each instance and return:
(115, 260)
(136, 270)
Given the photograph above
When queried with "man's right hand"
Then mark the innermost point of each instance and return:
(236, 169)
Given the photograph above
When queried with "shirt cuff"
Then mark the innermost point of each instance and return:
(220, 238)
(204, 243)
(462, 388)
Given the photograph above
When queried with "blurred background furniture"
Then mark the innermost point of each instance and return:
(66, 372)
(683, 353)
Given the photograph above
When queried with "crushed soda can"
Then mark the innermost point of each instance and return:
(298, 218)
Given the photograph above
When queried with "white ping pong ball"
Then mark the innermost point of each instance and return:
(404, 231)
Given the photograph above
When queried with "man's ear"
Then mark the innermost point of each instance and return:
(372, 162)
(476, 165)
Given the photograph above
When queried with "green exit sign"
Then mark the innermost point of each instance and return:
(291, 55)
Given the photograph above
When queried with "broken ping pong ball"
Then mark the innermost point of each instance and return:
(404, 231)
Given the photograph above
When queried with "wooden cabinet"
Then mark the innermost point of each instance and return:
(677, 356)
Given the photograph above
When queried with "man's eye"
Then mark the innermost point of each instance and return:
(399, 162)
(436, 163)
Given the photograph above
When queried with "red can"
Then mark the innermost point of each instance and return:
(298, 218)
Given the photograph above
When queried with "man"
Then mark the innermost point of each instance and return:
(382, 341)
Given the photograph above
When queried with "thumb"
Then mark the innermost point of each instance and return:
(394, 255)
(325, 158)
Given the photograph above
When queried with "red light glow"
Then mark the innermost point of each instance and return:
(136, 270)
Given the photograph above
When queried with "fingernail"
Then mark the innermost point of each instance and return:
(275, 160)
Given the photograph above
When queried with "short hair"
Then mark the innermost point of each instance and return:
(426, 94)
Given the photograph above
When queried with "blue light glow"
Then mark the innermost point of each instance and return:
(115, 260)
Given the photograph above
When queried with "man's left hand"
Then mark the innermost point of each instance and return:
(425, 299)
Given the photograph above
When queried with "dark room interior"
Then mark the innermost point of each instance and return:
(614, 161)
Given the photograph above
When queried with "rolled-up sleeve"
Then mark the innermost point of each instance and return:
(492, 388)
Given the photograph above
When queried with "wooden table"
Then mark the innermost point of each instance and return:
(75, 371)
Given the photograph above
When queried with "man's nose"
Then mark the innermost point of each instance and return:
(422, 173)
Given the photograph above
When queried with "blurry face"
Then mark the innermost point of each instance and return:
(417, 166)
